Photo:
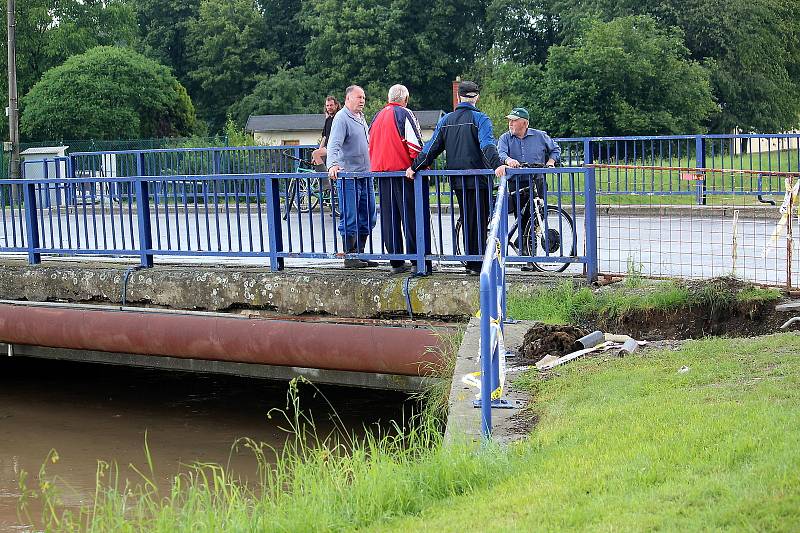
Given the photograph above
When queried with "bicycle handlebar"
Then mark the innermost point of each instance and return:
(298, 159)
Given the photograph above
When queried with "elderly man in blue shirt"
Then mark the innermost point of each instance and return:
(522, 145)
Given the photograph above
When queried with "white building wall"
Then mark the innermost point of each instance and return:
(278, 138)
(765, 145)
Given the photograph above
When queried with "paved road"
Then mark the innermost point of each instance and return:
(682, 246)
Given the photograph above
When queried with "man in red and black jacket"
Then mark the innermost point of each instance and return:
(394, 142)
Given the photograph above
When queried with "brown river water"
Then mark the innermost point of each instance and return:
(92, 412)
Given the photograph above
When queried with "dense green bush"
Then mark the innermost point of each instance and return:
(107, 93)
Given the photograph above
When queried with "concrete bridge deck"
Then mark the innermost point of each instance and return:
(316, 295)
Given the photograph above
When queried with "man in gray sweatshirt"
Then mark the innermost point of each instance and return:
(348, 151)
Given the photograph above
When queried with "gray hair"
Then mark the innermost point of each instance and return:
(471, 99)
(398, 93)
(350, 89)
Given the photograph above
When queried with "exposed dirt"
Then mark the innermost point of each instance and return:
(543, 339)
(716, 307)
(739, 320)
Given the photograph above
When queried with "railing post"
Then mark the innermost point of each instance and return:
(143, 214)
(590, 221)
(503, 236)
(486, 356)
(587, 151)
(70, 166)
(420, 212)
(700, 162)
(274, 223)
(31, 223)
(217, 162)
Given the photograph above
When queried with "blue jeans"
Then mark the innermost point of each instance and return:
(356, 206)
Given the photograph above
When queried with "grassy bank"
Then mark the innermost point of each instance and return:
(632, 445)
(621, 444)
(567, 303)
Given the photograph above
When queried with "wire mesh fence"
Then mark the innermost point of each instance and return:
(739, 231)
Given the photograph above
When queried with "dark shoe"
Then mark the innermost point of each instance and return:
(350, 244)
(471, 272)
(355, 263)
(528, 267)
(362, 243)
(399, 270)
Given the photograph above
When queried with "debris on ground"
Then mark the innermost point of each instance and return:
(548, 339)
(790, 322)
(554, 345)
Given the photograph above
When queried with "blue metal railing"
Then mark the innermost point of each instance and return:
(275, 216)
(493, 290)
(660, 163)
(646, 166)
(493, 310)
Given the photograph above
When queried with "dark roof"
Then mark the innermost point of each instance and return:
(429, 118)
(314, 122)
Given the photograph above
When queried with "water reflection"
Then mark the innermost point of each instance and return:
(88, 412)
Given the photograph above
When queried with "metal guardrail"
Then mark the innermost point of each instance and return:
(493, 311)
(493, 290)
(665, 156)
(273, 215)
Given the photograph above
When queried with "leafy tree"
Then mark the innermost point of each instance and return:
(376, 43)
(49, 31)
(523, 30)
(752, 48)
(80, 26)
(163, 25)
(228, 54)
(107, 93)
(286, 92)
(623, 77)
(287, 36)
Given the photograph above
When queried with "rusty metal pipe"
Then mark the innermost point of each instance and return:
(357, 348)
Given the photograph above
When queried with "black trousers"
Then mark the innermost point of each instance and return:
(474, 205)
(398, 216)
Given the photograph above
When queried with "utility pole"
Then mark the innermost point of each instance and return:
(13, 107)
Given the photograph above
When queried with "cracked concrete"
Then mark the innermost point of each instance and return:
(368, 293)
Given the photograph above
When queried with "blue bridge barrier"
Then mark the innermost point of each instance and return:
(258, 202)
(291, 215)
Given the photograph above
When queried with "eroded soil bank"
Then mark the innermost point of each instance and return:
(668, 311)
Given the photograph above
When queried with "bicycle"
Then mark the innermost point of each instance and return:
(306, 194)
(551, 231)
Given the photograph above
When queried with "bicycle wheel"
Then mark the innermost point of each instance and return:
(459, 238)
(330, 201)
(560, 240)
(308, 193)
(289, 197)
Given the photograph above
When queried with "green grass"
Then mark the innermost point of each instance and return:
(566, 303)
(633, 445)
(621, 444)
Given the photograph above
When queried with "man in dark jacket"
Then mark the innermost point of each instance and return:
(466, 135)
